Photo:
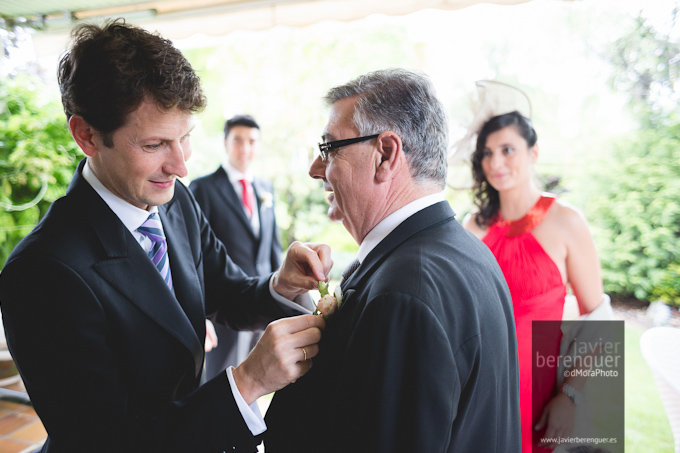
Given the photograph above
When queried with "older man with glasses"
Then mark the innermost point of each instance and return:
(421, 356)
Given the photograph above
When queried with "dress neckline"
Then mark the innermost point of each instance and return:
(531, 219)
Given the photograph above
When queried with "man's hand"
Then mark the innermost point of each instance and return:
(304, 266)
(280, 357)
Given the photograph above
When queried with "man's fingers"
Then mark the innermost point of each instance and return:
(307, 283)
(287, 326)
(288, 336)
(304, 337)
(305, 265)
(288, 347)
(313, 321)
(312, 256)
(278, 358)
(303, 367)
(308, 352)
(323, 251)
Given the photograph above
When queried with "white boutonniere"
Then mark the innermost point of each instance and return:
(328, 304)
(267, 200)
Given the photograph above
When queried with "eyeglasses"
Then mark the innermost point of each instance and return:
(325, 148)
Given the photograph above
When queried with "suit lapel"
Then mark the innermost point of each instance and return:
(258, 202)
(129, 270)
(266, 218)
(258, 190)
(226, 189)
(421, 220)
(185, 279)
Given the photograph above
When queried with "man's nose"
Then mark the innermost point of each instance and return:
(176, 164)
(318, 168)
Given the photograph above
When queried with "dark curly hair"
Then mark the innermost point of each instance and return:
(112, 68)
(485, 196)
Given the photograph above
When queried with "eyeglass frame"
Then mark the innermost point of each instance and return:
(325, 147)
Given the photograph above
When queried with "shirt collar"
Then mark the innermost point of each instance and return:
(236, 175)
(131, 216)
(389, 223)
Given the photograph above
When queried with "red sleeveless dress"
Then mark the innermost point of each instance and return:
(537, 294)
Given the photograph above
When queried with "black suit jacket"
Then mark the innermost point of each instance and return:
(255, 255)
(111, 359)
(421, 357)
(223, 209)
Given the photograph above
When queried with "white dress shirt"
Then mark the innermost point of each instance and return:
(372, 239)
(392, 221)
(235, 177)
(133, 217)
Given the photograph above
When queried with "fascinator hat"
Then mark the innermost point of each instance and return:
(493, 98)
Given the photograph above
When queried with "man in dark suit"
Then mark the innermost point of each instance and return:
(104, 302)
(421, 355)
(240, 210)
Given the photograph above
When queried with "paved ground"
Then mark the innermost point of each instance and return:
(635, 311)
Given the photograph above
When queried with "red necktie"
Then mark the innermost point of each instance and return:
(247, 198)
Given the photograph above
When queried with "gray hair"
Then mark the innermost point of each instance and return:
(405, 103)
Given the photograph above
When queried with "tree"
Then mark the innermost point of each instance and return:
(37, 157)
(633, 204)
(647, 67)
(635, 211)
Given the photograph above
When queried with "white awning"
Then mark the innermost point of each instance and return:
(178, 19)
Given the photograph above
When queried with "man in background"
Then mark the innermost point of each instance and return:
(240, 209)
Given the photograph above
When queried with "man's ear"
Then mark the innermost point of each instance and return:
(392, 156)
(83, 134)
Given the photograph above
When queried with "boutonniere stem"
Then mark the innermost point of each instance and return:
(329, 303)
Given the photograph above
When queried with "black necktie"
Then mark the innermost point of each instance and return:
(349, 270)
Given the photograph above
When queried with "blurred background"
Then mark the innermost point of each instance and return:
(600, 75)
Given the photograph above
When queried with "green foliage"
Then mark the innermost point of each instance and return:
(635, 211)
(634, 206)
(668, 289)
(37, 158)
(300, 208)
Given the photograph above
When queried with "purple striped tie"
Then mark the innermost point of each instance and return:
(153, 229)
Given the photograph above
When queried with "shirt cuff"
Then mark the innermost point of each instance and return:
(251, 414)
(303, 304)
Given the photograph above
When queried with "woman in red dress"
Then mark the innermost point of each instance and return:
(542, 245)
